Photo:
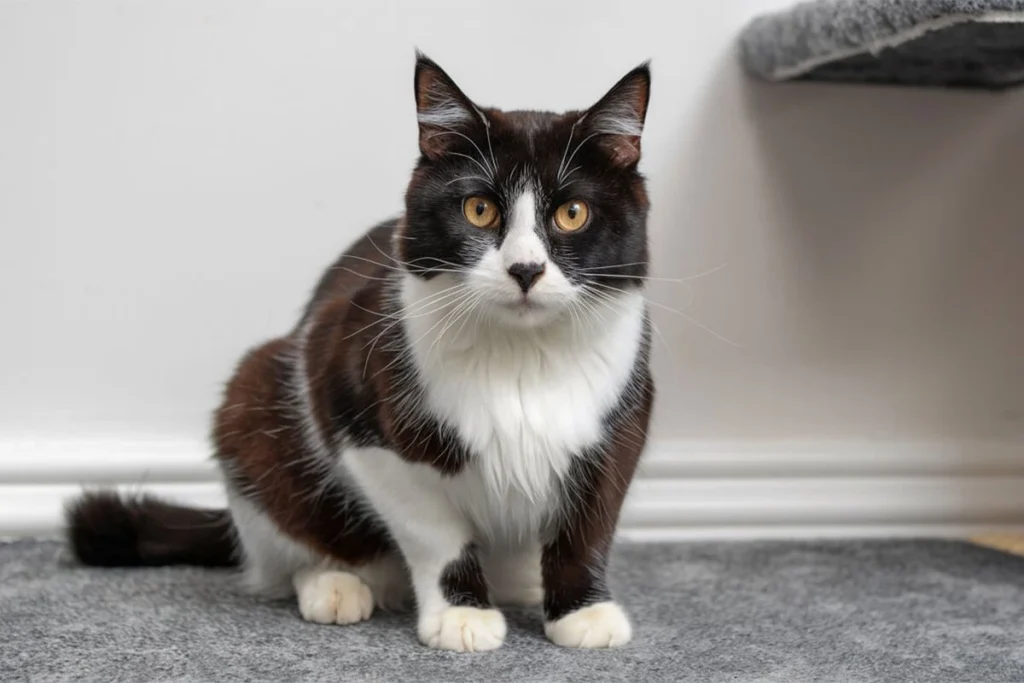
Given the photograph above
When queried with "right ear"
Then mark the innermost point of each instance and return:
(442, 110)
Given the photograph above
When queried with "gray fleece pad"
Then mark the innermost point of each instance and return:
(954, 43)
(788, 612)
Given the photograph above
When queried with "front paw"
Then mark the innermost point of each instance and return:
(463, 629)
(603, 624)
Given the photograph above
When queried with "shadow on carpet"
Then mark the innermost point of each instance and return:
(766, 611)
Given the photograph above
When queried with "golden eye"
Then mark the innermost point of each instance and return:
(481, 212)
(572, 216)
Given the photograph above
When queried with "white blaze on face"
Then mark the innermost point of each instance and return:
(501, 296)
(522, 244)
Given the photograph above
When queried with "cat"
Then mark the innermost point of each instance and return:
(456, 417)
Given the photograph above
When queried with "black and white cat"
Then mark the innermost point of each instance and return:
(458, 414)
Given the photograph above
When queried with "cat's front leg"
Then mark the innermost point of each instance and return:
(454, 610)
(578, 607)
(579, 610)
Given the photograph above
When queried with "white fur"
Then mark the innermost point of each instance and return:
(271, 560)
(444, 111)
(424, 521)
(621, 120)
(525, 391)
(464, 629)
(522, 243)
(525, 381)
(444, 116)
(525, 400)
(332, 597)
(551, 296)
(600, 625)
(619, 115)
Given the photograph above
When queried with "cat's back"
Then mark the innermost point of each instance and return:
(366, 263)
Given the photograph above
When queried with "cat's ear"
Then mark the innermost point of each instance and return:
(617, 120)
(442, 110)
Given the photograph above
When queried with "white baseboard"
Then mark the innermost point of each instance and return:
(685, 489)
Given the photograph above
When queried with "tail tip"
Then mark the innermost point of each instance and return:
(102, 529)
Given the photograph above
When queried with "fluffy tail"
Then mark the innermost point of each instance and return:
(107, 530)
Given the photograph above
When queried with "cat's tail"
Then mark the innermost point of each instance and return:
(107, 530)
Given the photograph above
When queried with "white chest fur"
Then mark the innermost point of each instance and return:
(524, 401)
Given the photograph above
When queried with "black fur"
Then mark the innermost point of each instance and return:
(108, 530)
(545, 151)
(362, 384)
(463, 581)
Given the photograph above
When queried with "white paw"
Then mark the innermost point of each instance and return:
(463, 629)
(600, 625)
(331, 597)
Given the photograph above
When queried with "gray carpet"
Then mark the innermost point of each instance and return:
(789, 612)
(953, 43)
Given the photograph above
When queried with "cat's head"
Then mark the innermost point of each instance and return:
(535, 213)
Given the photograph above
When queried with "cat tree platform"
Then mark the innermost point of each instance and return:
(946, 43)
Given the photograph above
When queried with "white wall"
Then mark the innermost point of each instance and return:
(173, 176)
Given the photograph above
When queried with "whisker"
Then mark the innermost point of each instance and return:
(572, 132)
(705, 273)
(399, 357)
(668, 349)
(645, 278)
(461, 313)
(445, 293)
(709, 330)
(468, 177)
(432, 259)
(563, 181)
(573, 155)
(400, 316)
(466, 156)
(405, 266)
(449, 131)
(677, 312)
(615, 265)
(362, 275)
(487, 129)
(595, 269)
(476, 308)
(377, 338)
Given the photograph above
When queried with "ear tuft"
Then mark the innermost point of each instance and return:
(618, 118)
(441, 108)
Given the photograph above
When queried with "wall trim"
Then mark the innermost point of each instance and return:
(684, 490)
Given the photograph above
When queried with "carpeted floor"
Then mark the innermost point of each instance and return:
(789, 612)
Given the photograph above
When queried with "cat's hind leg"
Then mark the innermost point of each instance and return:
(300, 529)
(328, 591)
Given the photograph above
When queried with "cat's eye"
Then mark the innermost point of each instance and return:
(572, 216)
(481, 212)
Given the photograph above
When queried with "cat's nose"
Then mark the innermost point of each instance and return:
(526, 274)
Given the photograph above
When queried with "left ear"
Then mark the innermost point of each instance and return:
(617, 120)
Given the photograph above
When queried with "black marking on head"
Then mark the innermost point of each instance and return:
(590, 155)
